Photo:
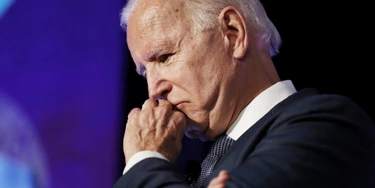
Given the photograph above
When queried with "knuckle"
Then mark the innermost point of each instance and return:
(133, 112)
(169, 105)
(163, 101)
(163, 110)
(148, 102)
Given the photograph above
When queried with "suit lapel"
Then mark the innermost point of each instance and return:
(242, 148)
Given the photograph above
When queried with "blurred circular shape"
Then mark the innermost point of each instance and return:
(21, 151)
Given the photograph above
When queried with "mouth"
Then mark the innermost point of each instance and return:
(178, 108)
(191, 130)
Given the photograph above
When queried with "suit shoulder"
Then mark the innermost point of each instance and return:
(327, 104)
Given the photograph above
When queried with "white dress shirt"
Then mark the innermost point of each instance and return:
(255, 110)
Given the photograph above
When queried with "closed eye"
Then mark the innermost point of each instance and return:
(164, 58)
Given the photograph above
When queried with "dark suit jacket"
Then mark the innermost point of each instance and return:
(307, 140)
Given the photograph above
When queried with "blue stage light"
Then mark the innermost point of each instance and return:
(4, 5)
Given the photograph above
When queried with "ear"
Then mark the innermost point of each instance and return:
(234, 30)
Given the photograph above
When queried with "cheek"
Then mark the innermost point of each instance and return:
(186, 72)
(195, 75)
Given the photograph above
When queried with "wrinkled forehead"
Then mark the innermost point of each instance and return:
(153, 27)
(150, 16)
(144, 21)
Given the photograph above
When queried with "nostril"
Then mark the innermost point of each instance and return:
(159, 89)
(164, 94)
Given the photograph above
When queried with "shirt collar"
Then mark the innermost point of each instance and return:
(259, 106)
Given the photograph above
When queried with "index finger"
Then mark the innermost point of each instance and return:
(165, 103)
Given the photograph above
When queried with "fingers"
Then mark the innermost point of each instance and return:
(165, 103)
(161, 109)
(220, 180)
(149, 104)
(134, 112)
(179, 122)
(155, 127)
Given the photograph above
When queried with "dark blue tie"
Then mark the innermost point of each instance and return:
(219, 147)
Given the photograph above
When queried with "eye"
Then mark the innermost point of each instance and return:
(164, 58)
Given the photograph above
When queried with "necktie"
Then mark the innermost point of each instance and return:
(219, 147)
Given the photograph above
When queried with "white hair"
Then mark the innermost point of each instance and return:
(204, 13)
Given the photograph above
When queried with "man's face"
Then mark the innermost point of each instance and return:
(191, 70)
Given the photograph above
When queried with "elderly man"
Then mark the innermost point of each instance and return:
(210, 74)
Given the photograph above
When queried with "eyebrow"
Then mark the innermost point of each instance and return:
(151, 56)
(155, 53)
(163, 46)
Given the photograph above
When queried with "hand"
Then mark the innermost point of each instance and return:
(156, 128)
(219, 181)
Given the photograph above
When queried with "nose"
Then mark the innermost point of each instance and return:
(158, 87)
